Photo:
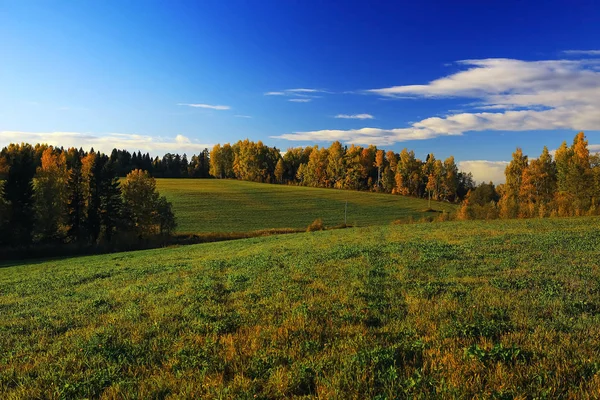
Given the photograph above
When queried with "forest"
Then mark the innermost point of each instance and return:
(566, 184)
(51, 196)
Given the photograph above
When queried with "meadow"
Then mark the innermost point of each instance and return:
(215, 205)
(501, 309)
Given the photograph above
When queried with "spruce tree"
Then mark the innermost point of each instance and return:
(111, 202)
(18, 193)
(76, 203)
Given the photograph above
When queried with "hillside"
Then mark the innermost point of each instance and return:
(211, 205)
(460, 309)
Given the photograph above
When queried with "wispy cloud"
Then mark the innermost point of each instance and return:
(354, 116)
(301, 90)
(485, 171)
(582, 52)
(209, 106)
(300, 100)
(242, 116)
(298, 94)
(106, 142)
(529, 95)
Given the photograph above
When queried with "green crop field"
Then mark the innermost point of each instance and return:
(212, 205)
(500, 309)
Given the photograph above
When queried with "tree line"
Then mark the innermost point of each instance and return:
(52, 196)
(342, 167)
(566, 184)
(169, 166)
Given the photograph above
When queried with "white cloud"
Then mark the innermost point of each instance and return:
(106, 142)
(498, 80)
(211, 107)
(363, 136)
(305, 90)
(354, 116)
(582, 52)
(242, 116)
(530, 95)
(298, 94)
(485, 171)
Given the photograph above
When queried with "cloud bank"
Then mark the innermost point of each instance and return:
(505, 95)
(106, 142)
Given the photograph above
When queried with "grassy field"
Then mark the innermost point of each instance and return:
(213, 205)
(500, 309)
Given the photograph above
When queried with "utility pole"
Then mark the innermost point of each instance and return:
(346, 214)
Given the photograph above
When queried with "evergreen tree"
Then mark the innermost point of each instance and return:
(18, 193)
(111, 203)
(76, 202)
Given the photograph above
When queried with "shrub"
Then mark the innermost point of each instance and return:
(316, 225)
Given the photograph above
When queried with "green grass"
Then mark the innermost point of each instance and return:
(500, 309)
(213, 205)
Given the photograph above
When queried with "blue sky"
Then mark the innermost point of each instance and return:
(473, 80)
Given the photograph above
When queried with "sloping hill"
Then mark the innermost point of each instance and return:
(211, 205)
(499, 309)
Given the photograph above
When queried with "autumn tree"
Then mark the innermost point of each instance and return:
(148, 213)
(450, 180)
(315, 171)
(279, 170)
(580, 175)
(538, 185)
(221, 161)
(379, 163)
(335, 165)
(354, 168)
(50, 186)
(140, 199)
(408, 174)
(509, 204)
(389, 171)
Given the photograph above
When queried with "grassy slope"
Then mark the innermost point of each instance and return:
(411, 310)
(211, 205)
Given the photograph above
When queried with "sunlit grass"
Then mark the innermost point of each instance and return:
(497, 309)
(213, 205)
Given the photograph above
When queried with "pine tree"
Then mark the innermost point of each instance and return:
(18, 193)
(76, 203)
(111, 202)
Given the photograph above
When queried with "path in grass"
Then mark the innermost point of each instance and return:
(211, 205)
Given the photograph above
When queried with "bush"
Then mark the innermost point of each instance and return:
(316, 225)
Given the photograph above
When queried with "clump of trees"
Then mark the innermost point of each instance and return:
(342, 167)
(567, 184)
(169, 166)
(52, 196)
